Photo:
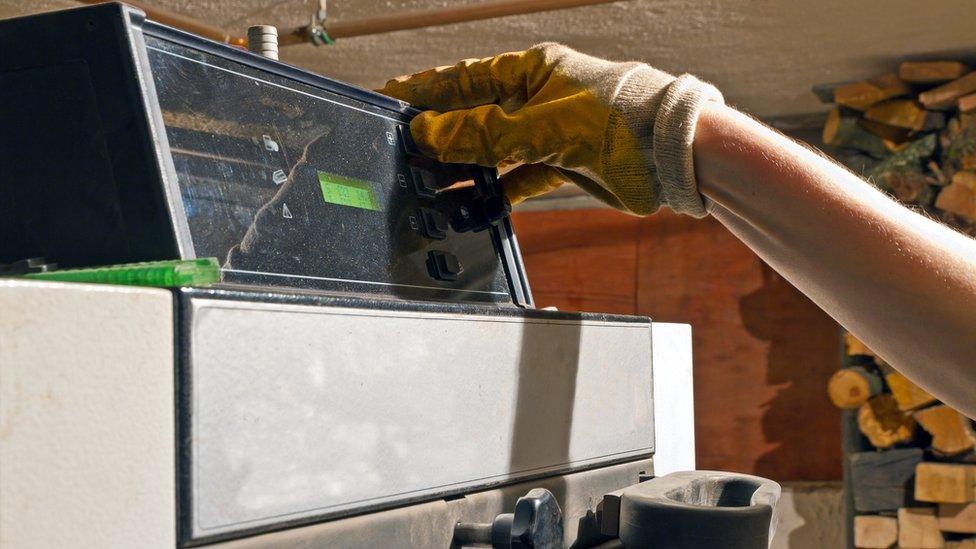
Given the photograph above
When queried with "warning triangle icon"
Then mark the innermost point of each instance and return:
(285, 212)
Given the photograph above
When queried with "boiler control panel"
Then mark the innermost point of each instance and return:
(199, 149)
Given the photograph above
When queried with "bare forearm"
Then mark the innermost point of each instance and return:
(902, 283)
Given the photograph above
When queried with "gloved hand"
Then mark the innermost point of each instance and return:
(621, 131)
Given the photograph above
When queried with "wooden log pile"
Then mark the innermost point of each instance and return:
(917, 489)
(911, 133)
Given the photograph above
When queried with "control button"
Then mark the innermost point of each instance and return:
(406, 141)
(481, 213)
(433, 223)
(443, 265)
(425, 182)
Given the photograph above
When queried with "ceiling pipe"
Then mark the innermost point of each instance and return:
(182, 22)
(322, 31)
(447, 15)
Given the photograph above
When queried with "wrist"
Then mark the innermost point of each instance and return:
(712, 124)
(675, 127)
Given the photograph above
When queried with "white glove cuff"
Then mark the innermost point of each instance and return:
(674, 133)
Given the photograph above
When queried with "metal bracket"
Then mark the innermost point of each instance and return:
(317, 34)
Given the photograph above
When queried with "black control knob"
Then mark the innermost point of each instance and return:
(443, 265)
(425, 182)
(537, 522)
(406, 141)
(433, 224)
(483, 212)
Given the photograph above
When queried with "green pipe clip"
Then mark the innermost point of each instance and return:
(161, 274)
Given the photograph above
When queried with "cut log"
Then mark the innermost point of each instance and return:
(959, 144)
(853, 346)
(901, 113)
(864, 94)
(918, 528)
(959, 518)
(874, 532)
(966, 103)
(825, 92)
(884, 367)
(960, 196)
(966, 178)
(945, 482)
(885, 132)
(857, 360)
(881, 481)
(940, 176)
(903, 174)
(883, 423)
(950, 133)
(893, 146)
(911, 158)
(908, 395)
(945, 96)
(967, 119)
(856, 161)
(934, 120)
(851, 387)
(844, 131)
(952, 432)
(931, 72)
(906, 186)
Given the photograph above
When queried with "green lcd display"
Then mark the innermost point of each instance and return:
(346, 191)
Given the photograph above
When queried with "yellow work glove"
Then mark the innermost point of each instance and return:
(621, 131)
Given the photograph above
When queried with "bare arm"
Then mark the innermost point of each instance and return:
(900, 282)
(627, 134)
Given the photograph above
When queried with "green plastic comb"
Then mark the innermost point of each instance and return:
(164, 274)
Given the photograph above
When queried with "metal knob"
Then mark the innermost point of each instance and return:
(263, 40)
(483, 212)
(537, 522)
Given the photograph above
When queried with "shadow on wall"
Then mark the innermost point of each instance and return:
(798, 337)
(762, 351)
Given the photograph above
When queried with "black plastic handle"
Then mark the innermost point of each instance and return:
(694, 509)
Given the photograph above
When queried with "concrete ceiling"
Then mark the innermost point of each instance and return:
(764, 54)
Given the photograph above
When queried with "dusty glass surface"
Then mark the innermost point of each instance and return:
(288, 184)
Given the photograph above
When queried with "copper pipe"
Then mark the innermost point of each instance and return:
(182, 22)
(487, 9)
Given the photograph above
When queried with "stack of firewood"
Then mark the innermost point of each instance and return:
(912, 134)
(918, 488)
